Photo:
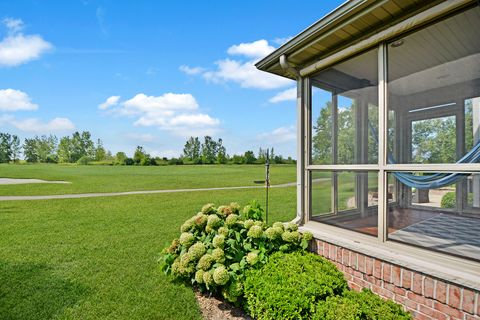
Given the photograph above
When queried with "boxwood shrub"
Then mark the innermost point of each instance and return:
(290, 285)
(363, 305)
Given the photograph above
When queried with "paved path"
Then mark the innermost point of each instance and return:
(126, 193)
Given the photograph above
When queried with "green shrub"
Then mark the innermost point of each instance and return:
(448, 200)
(363, 305)
(290, 285)
(83, 160)
(216, 247)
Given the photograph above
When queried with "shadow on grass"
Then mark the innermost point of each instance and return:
(33, 291)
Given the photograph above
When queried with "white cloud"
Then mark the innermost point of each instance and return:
(14, 100)
(242, 71)
(281, 41)
(191, 71)
(279, 135)
(110, 102)
(100, 13)
(16, 48)
(245, 74)
(256, 49)
(173, 112)
(35, 125)
(13, 25)
(286, 95)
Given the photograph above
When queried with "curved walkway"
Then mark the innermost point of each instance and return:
(126, 193)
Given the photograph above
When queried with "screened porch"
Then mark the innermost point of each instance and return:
(432, 98)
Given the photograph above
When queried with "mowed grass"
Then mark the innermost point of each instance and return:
(88, 179)
(96, 258)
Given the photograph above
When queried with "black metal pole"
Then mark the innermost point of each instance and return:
(267, 184)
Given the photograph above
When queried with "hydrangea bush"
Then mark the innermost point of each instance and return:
(218, 245)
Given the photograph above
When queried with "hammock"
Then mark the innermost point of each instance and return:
(435, 180)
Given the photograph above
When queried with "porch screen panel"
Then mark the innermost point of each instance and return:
(435, 219)
(433, 79)
(344, 113)
(347, 203)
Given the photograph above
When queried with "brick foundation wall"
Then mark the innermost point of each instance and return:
(423, 296)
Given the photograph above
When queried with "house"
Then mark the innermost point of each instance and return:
(388, 163)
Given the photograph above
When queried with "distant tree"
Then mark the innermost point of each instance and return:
(16, 148)
(192, 150)
(140, 157)
(322, 136)
(221, 152)
(30, 150)
(120, 158)
(100, 152)
(65, 150)
(238, 159)
(5, 147)
(209, 150)
(262, 155)
(249, 157)
(46, 148)
(82, 145)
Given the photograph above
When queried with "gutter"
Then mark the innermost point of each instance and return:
(331, 18)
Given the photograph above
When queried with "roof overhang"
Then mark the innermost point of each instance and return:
(351, 23)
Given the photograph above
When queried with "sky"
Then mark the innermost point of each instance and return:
(150, 73)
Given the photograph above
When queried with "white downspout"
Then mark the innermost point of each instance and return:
(476, 139)
(286, 66)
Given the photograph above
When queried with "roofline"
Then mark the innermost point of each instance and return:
(335, 16)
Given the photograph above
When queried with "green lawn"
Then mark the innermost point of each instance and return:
(97, 258)
(86, 179)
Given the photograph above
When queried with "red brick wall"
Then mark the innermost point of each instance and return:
(423, 296)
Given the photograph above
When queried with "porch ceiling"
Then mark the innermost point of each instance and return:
(350, 23)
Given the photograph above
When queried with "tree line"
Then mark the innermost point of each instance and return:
(81, 149)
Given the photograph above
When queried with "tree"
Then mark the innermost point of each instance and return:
(262, 155)
(139, 156)
(120, 158)
(192, 151)
(41, 149)
(209, 150)
(82, 145)
(249, 157)
(46, 147)
(322, 136)
(221, 152)
(238, 159)
(5, 147)
(100, 152)
(30, 150)
(16, 148)
(65, 150)
(323, 132)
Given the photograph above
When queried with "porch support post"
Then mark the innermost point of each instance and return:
(382, 144)
(302, 175)
(476, 139)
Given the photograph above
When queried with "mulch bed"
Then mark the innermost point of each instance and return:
(214, 308)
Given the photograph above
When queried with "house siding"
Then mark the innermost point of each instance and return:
(425, 297)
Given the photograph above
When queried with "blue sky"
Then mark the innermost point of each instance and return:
(150, 73)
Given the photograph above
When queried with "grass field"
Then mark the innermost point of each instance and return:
(96, 258)
(87, 179)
